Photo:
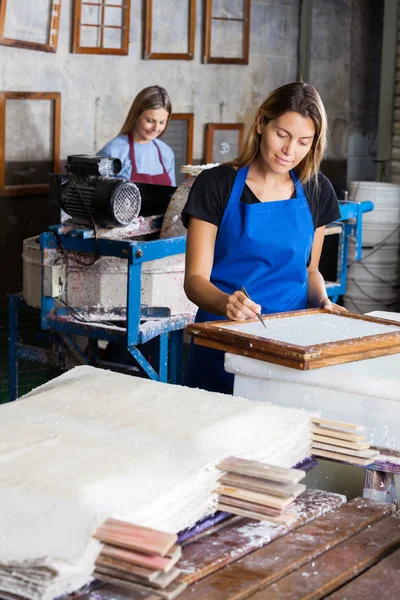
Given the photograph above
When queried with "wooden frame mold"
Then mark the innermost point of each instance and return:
(208, 21)
(148, 28)
(54, 26)
(209, 137)
(102, 5)
(28, 189)
(217, 335)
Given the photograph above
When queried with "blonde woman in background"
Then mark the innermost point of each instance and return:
(144, 157)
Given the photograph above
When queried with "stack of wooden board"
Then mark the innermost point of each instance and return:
(140, 558)
(341, 441)
(259, 491)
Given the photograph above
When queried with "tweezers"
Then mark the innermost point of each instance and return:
(259, 317)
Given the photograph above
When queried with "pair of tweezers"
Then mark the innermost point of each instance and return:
(259, 317)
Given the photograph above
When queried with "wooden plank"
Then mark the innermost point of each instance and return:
(371, 454)
(352, 460)
(173, 590)
(252, 513)
(255, 497)
(212, 552)
(341, 435)
(256, 484)
(336, 442)
(135, 537)
(381, 582)
(141, 572)
(261, 568)
(254, 468)
(336, 424)
(339, 565)
(162, 581)
(158, 563)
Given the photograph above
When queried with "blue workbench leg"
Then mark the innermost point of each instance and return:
(13, 302)
(176, 356)
(163, 368)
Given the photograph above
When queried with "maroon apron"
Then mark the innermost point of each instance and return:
(160, 179)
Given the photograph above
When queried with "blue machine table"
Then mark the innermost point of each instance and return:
(63, 323)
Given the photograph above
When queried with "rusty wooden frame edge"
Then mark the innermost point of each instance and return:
(148, 54)
(217, 335)
(209, 136)
(54, 24)
(207, 57)
(189, 118)
(36, 188)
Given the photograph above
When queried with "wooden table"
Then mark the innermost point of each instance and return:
(352, 552)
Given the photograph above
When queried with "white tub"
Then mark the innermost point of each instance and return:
(365, 392)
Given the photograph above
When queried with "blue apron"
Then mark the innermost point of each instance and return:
(264, 247)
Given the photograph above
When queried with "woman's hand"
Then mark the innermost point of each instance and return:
(326, 304)
(239, 307)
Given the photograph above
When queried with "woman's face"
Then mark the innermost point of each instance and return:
(150, 124)
(285, 141)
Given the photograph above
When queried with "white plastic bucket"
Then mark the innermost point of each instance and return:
(378, 233)
(366, 305)
(388, 253)
(385, 196)
(379, 273)
(32, 271)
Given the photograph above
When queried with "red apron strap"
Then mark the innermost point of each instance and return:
(132, 156)
(160, 157)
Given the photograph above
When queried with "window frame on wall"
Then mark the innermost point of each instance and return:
(208, 19)
(189, 118)
(148, 54)
(77, 24)
(54, 26)
(209, 137)
(36, 188)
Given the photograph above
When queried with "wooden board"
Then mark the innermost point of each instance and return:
(243, 536)
(253, 468)
(135, 537)
(336, 424)
(336, 442)
(341, 435)
(339, 565)
(252, 513)
(257, 484)
(353, 460)
(339, 450)
(255, 497)
(218, 335)
(263, 567)
(381, 582)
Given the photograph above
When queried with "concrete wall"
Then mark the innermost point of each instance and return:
(98, 90)
(345, 67)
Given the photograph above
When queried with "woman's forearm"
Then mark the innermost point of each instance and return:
(206, 295)
(316, 289)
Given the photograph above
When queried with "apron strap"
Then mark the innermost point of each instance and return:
(132, 156)
(160, 156)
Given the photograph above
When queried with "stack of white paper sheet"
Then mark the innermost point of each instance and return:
(93, 444)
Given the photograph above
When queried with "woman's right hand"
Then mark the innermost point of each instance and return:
(239, 307)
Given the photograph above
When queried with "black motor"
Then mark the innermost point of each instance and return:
(91, 193)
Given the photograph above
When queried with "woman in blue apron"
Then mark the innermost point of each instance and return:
(144, 157)
(259, 223)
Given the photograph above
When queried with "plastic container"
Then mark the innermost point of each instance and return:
(366, 392)
(102, 286)
(32, 271)
(385, 196)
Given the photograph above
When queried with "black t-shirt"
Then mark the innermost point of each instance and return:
(212, 188)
